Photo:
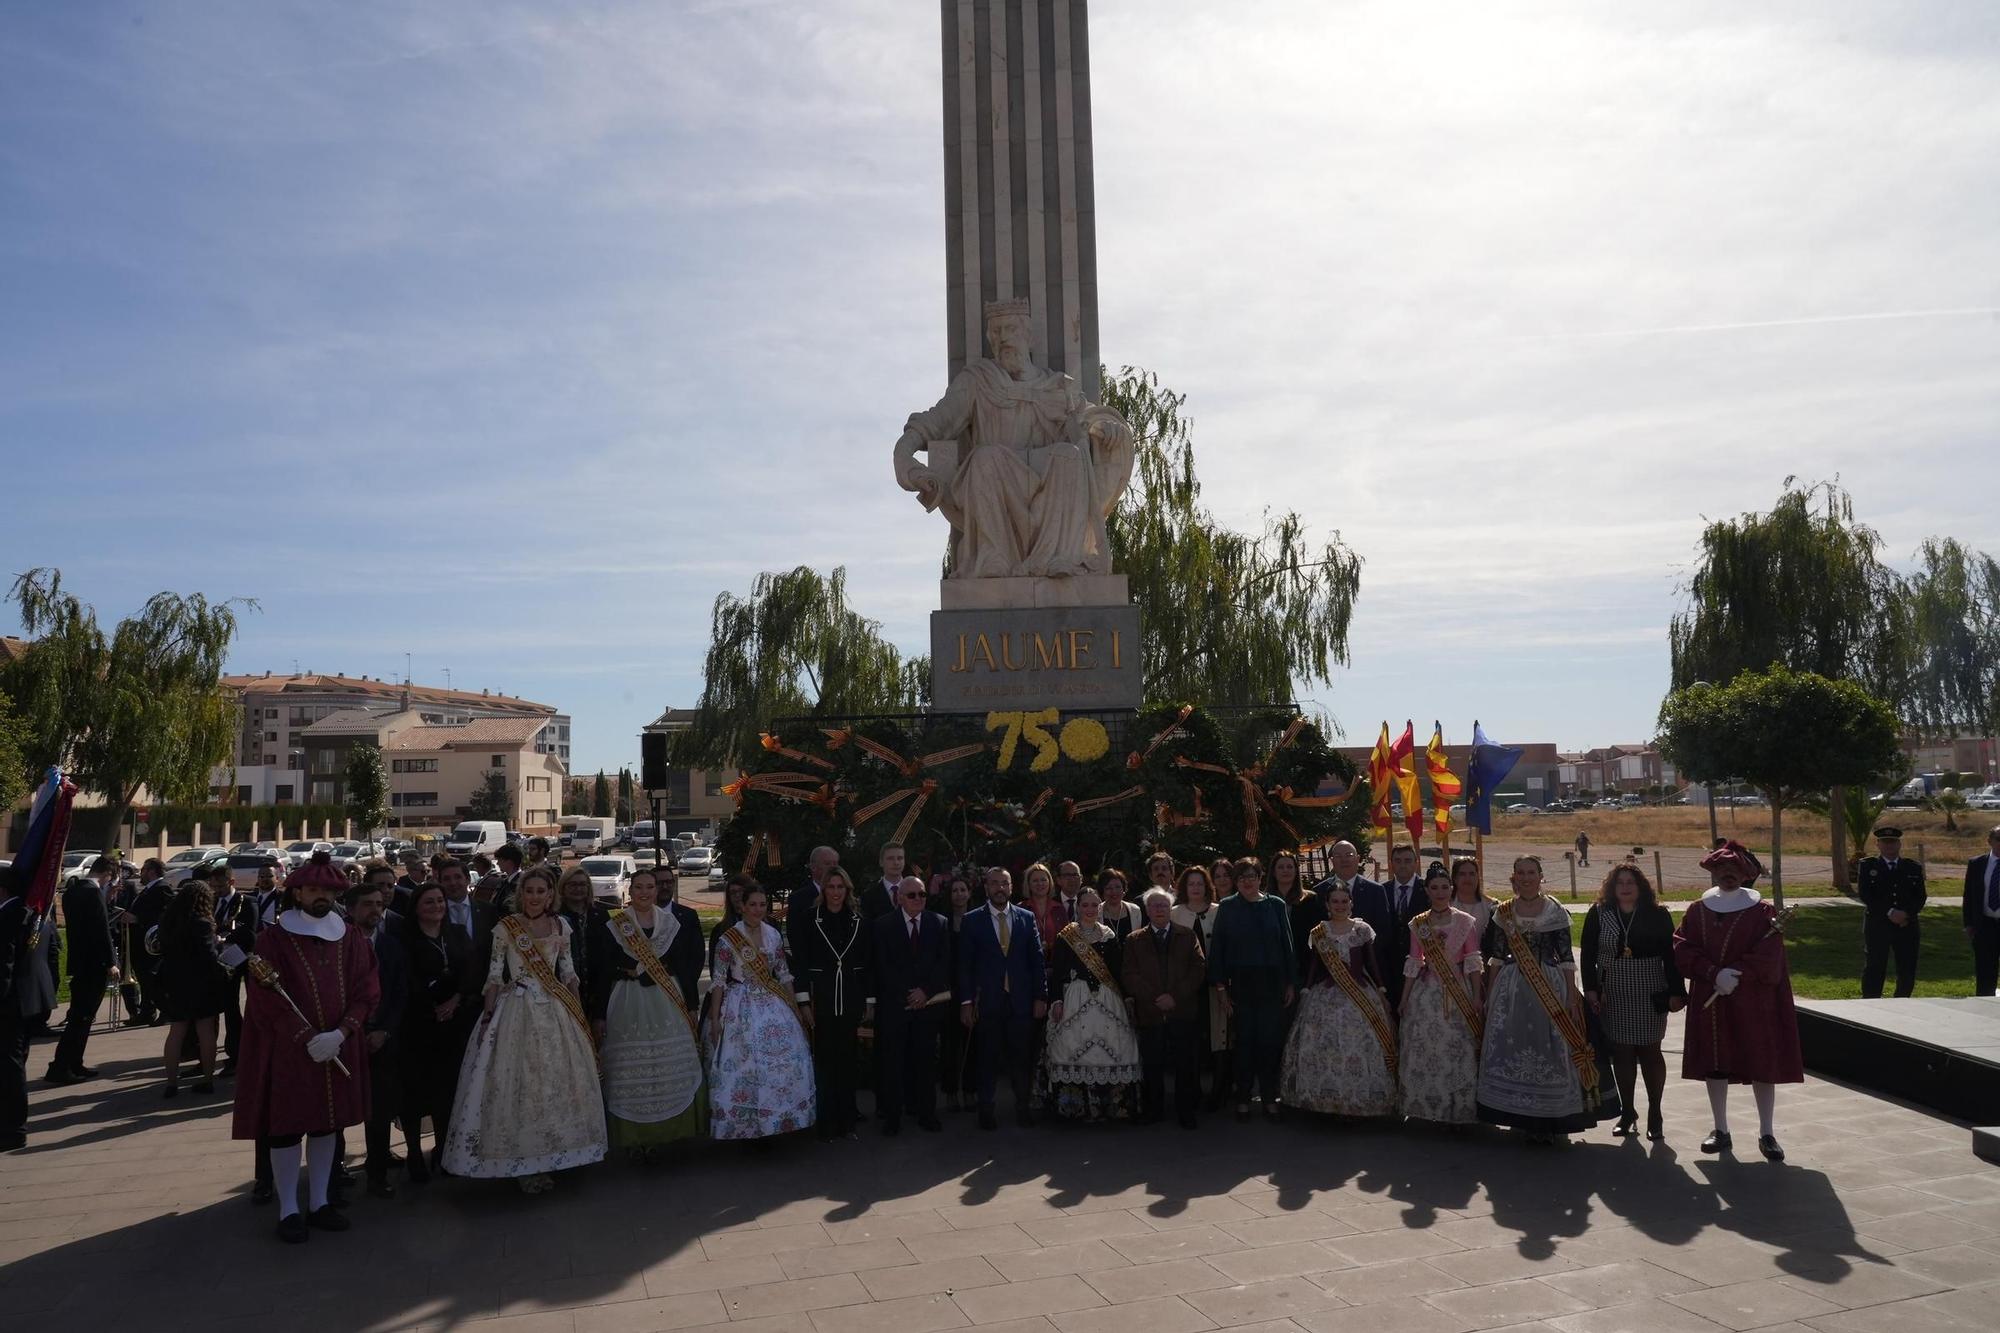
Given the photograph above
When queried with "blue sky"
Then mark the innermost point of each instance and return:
(506, 335)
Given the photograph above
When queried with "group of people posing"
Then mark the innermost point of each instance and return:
(537, 1028)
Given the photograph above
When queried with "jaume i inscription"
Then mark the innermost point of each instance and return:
(1061, 650)
(1081, 657)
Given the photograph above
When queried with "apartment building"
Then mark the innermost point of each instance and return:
(435, 771)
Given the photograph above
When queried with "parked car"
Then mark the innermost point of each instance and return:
(182, 865)
(473, 836)
(1607, 803)
(718, 877)
(610, 876)
(1631, 800)
(298, 853)
(696, 861)
(1517, 808)
(353, 853)
(243, 867)
(1986, 798)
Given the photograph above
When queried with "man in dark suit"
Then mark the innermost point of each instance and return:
(1982, 914)
(912, 959)
(1371, 903)
(93, 963)
(1403, 898)
(1001, 980)
(882, 896)
(818, 863)
(686, 954)
(1892, 896)
(367, 912)
(1163, 974)
(474, 917)
(143, 913)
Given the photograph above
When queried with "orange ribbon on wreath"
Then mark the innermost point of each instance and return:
(1039, 802)
(1137, 758)
(1071, 808)
(922, 792)
(1256, 801)
(805, 787)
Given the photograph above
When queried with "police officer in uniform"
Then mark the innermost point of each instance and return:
(1892, 900)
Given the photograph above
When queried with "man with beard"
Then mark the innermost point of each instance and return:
(288, 1085)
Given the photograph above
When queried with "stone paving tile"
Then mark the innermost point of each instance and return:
(937, 1275)
(1297, 1259)
(687, 1278)
(1397, 1279)
(1076, 1257)
(1643, 1316)
(1745, 1305)
(1903, 1317)
(1013, 1300)
(912, 1314)
(1394, 1316)
(1068, 1230)
(1161, 1314)
(1184, 1243)
(852, 1257)
(1171, 1277)
(1251, 1302)
(1620, 1283)
(793, 1297)
(1377, 1247)
(1503, 1303)
(1289, 1227)
(1870, 1284)
(970, 1243)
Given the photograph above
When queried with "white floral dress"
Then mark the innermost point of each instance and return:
(528, 1099)
(760, 1069)
(1334, 1062)
(1437, 1069)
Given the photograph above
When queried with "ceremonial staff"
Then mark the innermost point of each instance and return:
(266, 976)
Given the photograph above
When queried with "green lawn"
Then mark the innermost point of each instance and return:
(1824, 947)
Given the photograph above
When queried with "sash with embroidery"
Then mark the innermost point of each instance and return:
(640, 945)
(538, 968)
(1093, 961)
(1335, 962)
(758, 969)
(1529, 965)
(1449, 977)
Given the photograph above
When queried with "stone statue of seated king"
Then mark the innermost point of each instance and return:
(1024, 469)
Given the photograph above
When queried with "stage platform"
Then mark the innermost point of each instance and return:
(1944, 1054)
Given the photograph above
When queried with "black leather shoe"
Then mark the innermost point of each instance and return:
(9, 1142)
(292, 1230)
(329, 1219)
(1717, 1141)
(986, 1118)
(1768, 1145)
(262, 1192)
(891, 1128)
(419, 1173)
(1627, 1126)
(61, 1077)
(931, 1126)
(84, 1071)
(379, 1187)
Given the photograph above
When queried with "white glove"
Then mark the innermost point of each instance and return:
(1726, 979)
(325, 1046)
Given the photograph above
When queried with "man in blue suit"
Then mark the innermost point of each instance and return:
(912, 957)
(1000, 989)
(1403, 898)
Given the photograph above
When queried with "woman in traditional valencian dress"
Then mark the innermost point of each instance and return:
(1468, 894)
(1092, 1056)
(1741, 1025)
(653, 1088)
(1341, 1058)
(1631, 984)
(760, 1071)
(831, 962)
(1194, 907)
(1438, 1060)
(1537, 1071)
(528, 1102)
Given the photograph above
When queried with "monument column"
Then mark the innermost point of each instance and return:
(1019, 206)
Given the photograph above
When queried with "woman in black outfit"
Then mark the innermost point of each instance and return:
(830, 968)
(589, 921)
(1631, 985)
(956, 1072)
(437, 1021)
(194, 987)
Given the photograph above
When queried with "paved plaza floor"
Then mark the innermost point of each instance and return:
(131, 1212)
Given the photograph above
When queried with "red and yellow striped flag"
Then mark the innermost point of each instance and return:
(1445, 785)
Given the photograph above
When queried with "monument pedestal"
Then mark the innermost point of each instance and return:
(1109, 590)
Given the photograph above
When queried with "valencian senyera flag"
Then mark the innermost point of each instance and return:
(38, 862)
(1406, 782)
(1445, 786)
(1489, 766)
(1381, 776)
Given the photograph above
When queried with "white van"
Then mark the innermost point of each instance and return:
(591, 834)
(475, 836)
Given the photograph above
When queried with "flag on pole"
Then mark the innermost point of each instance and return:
(1445, 786)
(38, 863)
(1489, 766)
(1381, 772)
(1406, 782)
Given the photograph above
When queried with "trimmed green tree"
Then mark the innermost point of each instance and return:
(140, 707)
(600, 795)
(623, 813)
(494, 798)
(1789, 734)
(366, 795)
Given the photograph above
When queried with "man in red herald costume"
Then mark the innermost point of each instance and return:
(288, 1085)
(1741, 1026)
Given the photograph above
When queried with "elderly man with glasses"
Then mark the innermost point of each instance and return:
(912, 966)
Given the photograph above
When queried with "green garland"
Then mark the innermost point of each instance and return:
(1210, 778)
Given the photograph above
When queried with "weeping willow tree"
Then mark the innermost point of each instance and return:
(793, 647)
(142, 707)
(1802, 586)
(1227, 618)
(1954, 613)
